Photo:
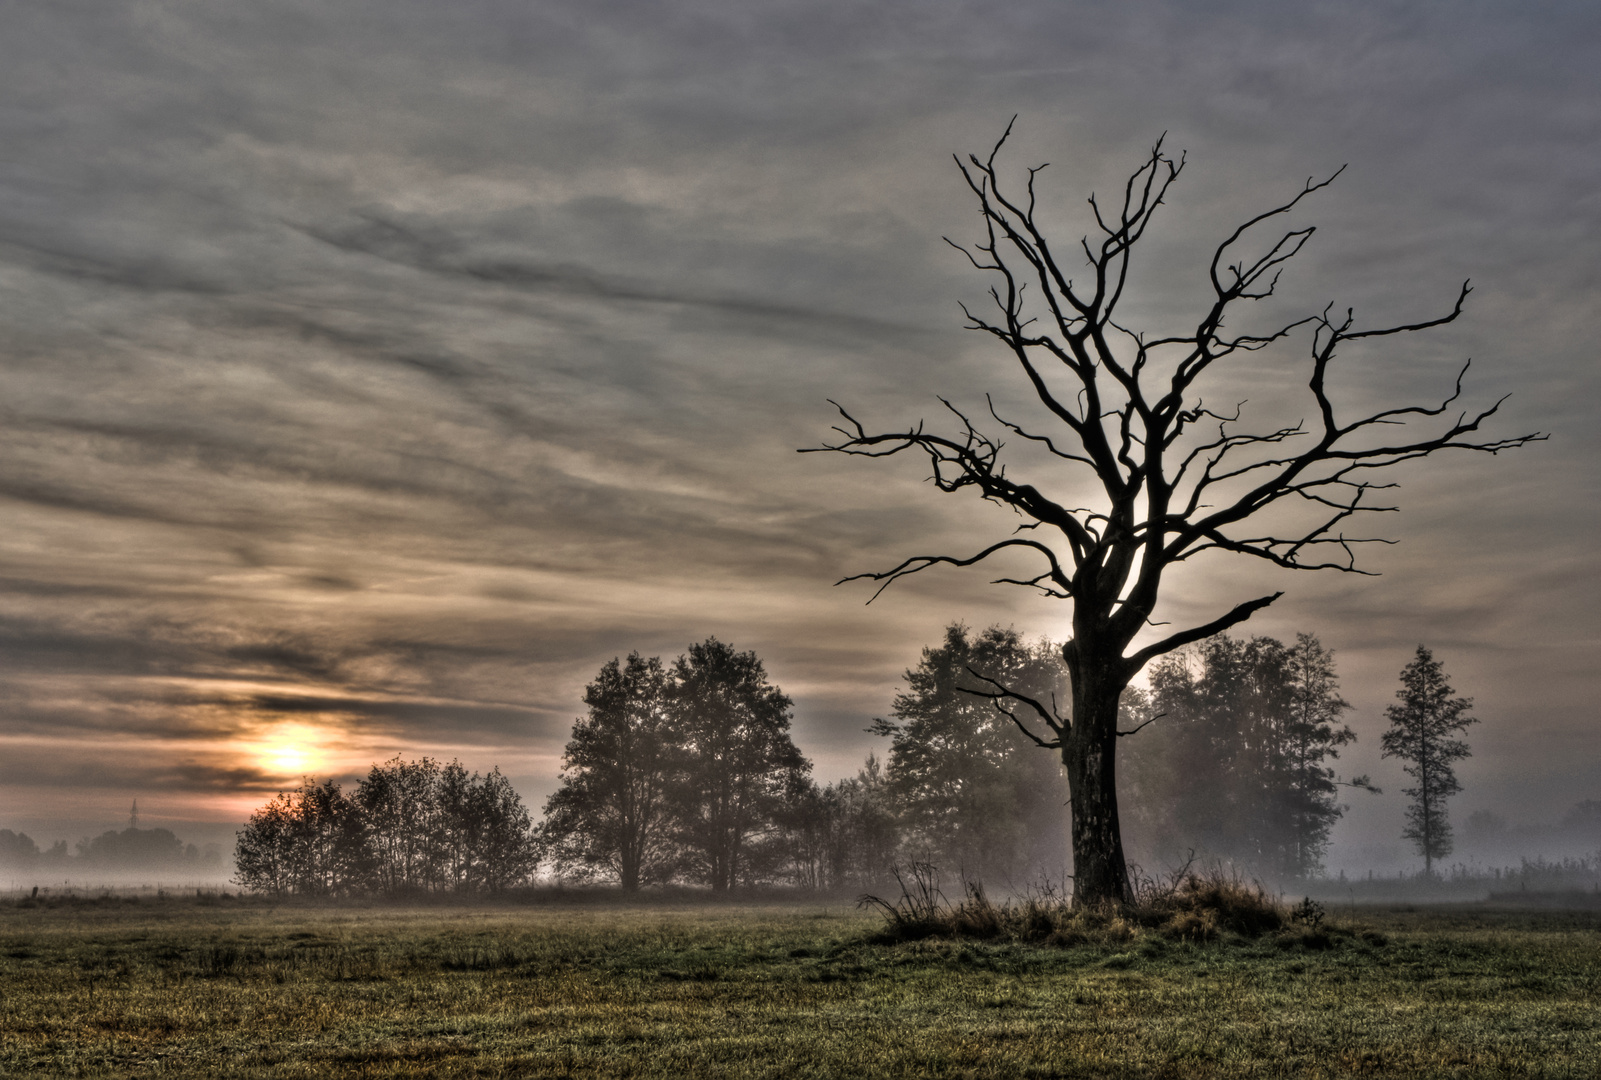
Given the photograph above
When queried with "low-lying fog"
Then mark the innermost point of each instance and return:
(1492, 854)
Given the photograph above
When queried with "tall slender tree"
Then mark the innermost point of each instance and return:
(1421, 726)
(502, 848)
(1313, 734)
(1151, 476)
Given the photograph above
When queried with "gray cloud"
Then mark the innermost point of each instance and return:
(399, 364)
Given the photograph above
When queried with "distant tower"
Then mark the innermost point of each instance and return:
(133, 815)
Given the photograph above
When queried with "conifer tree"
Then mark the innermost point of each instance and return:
(1420, 733)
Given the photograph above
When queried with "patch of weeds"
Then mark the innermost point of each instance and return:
(1308, 913)
(1188, 906)
(218, 959)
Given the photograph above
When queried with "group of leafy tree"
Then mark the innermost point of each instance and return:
(1236, 768)
(842, 835)
(1234, 765)
(19, 851)
(134, 848)
(684, 772)
(409, 827)
(687, 772)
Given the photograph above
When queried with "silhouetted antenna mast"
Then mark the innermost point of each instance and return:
(133, 815)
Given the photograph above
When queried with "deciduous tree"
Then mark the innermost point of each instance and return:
(611, 816)
(1149, 475)
(502, 851)
(968, 792)
(403, 822)
(735, 760)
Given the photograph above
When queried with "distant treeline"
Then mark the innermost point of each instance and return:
(1534, 880)
(686, 772)
(409, 827)
(131, 849)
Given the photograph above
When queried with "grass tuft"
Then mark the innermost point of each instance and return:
(1189, 905)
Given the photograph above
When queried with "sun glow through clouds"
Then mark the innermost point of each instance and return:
(292, 750)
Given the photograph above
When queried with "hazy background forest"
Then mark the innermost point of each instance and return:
(685, 773)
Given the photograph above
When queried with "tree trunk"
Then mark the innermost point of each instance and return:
(1089, 754)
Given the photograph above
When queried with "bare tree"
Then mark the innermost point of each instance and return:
(1172, 477)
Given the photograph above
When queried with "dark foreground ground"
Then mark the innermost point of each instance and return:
(159, 988)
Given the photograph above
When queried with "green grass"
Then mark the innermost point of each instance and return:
(168, 988)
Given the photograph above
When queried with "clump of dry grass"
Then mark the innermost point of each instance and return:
(1198, 905)
(1186, 905)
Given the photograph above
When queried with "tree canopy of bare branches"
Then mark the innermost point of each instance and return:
(1173, 477)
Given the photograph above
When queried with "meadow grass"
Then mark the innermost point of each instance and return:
(159, 988)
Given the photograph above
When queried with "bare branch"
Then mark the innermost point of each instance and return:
(1135, 730)
(1053, 720)
(1128, 407)
(1236, 615)
(922, 562)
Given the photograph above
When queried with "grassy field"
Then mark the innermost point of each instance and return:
(158, 988)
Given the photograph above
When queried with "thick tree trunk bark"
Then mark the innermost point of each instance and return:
(1089, 754)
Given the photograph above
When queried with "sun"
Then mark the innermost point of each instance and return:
(291, 750)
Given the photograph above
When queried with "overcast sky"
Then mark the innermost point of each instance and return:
(374, 372)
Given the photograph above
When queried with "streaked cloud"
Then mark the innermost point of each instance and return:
(388, 368)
